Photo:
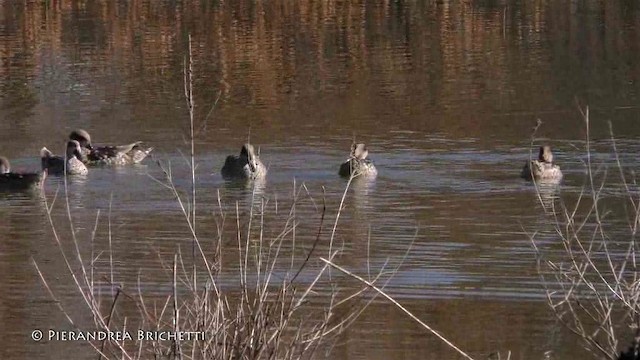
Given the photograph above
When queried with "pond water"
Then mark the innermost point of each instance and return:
(445, 94)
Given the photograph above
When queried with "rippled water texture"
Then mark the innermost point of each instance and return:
(445, 94)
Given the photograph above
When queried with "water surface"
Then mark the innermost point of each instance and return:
(444, 93)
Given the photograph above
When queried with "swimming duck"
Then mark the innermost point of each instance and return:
(109, 155)
(357, 164)
(246, 166)
(10, 181)
(56, 164)
(542, 169)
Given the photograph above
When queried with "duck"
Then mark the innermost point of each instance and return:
(246, 166)
(56, 164)
(11, 181)
(127, 154)
(543, 168)
(357, 164)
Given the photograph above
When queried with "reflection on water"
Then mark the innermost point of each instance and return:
(548, 193)
(445, 92)
(363, 187)
(243, 188)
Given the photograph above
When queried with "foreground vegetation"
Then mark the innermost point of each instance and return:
(591, 282)
(274, 312)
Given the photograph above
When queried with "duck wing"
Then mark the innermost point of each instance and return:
(107, 152)
(123, 149)
(138, 153)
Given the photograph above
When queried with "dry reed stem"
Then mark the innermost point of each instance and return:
(398, 305)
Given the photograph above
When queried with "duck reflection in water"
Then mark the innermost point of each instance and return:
(548, 193)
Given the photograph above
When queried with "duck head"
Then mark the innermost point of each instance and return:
(74, 150)
(359, 151)
(82, 137)
(5, 167)
(545, 154)
(248, 152)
